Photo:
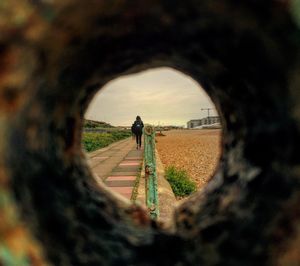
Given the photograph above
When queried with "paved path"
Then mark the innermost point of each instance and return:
(118, 165)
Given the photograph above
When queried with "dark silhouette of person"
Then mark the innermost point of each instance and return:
(137, 130)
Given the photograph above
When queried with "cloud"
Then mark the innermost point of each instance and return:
(161, 95)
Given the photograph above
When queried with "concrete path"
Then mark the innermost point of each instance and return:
(118, 165)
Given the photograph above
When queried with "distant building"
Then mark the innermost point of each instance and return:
(204, 121)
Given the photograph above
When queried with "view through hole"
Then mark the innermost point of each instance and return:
(187, 136)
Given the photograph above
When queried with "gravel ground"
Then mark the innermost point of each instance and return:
(196, 151)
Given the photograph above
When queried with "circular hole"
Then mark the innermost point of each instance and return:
(249, 52)
(187, 136)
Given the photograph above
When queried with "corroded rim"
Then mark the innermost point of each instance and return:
(237, 63)
(148, 129)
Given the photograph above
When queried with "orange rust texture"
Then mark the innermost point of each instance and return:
(292, 255)
(16, 67)
(3, 177)
(14, 235)
(11, 77)
(288, 253)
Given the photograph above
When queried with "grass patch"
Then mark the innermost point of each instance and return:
(96, 124)
(180, 182)
(92, 141)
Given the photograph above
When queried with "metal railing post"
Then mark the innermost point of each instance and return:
(150, 171)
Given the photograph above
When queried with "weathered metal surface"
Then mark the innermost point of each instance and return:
(150, 172)
(55, 55)
(16, 247)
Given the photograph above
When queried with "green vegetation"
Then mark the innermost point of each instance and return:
(96, 124)
(180, 182)
(92, 141)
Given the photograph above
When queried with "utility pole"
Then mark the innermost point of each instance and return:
(207, 109)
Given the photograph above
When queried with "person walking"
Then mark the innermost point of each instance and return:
(137, 130)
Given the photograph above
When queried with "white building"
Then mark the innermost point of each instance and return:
(204, 121)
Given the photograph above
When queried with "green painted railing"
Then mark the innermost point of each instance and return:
(150, 172)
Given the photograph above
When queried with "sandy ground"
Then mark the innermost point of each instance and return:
(196, 151)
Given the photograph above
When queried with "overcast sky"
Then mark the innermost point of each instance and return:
(160, 96)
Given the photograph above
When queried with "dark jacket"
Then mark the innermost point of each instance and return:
(137, 127)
